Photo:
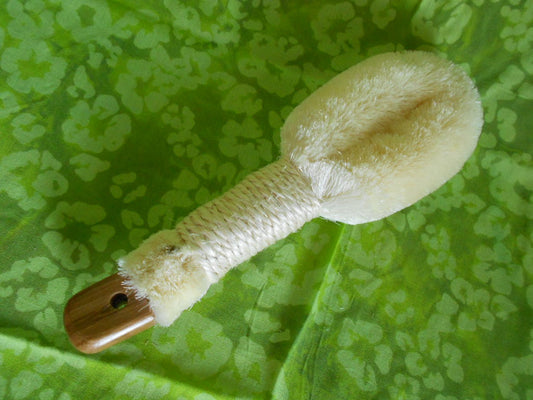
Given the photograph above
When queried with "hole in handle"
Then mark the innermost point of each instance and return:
(119, 301)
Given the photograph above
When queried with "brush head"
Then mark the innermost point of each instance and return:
(383, 134)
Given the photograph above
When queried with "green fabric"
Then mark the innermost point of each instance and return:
(118, 118)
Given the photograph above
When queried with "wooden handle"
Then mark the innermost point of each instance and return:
(104, 314)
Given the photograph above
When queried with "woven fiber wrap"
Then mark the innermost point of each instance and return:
(174, 268)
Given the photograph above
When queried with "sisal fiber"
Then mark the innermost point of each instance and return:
(370, 142)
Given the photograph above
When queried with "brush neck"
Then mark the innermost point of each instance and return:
(265, 207)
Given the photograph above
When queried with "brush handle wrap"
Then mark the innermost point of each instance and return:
(265, 207)
(174, 268)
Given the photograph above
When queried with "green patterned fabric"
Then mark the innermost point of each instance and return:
(118, 118)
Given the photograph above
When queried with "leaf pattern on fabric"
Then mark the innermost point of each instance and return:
(119, 118)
